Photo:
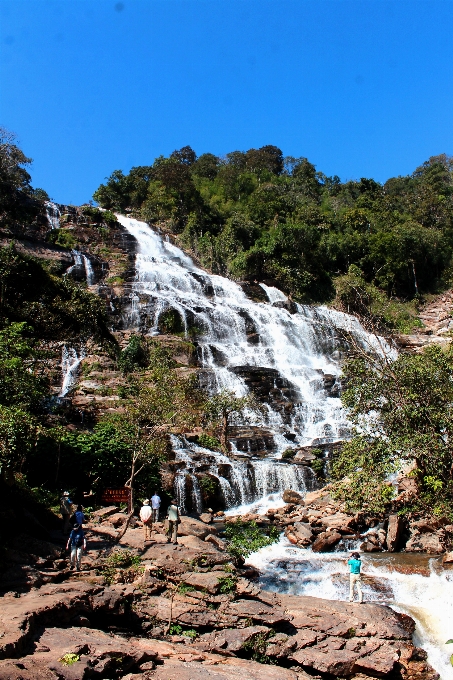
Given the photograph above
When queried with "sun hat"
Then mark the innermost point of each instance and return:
(146, 501)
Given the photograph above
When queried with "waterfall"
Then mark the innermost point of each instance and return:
(82, 267)
(247, 345)
(89, 273)
(53, 214)
(70, 362)
(410, 583)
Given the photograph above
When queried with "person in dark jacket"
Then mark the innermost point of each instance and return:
(77, 543)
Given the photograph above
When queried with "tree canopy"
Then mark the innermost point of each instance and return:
(258, 215)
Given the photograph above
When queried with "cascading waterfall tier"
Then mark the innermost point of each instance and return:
(285, 353)
(240, 483)
(70, 362)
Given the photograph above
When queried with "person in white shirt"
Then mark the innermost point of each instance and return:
(173, 521)
(146, 517)
(155, 504)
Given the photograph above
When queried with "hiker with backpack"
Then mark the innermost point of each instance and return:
(78, 517)
(78, 544)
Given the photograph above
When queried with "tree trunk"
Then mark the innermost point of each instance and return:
(224, 433)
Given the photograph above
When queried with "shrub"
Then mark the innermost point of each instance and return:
(209, 442)
(244, 538)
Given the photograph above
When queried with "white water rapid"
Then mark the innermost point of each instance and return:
(70, 362)
(414, 584)
(82, 264)
(242, 343)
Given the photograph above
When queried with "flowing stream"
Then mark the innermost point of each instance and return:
(287, 358)
(415, 584)
(70, 362)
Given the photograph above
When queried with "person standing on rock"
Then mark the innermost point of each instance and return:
(65, 509)
(146, 517)
(173, 521)
(355, 579)
(155, 504)
(78, 544)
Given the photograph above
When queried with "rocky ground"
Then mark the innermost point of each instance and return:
(182, 612)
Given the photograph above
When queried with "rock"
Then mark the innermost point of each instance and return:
(340, 522)
(326, 541)
(229, 669)
(103, 513)
(288, 304)
(394, 531)
(216, 541)
(303, 532)
(319, 497)
(189, 526)
(448, 558)
(204, 581)
(231, 640)
(427, 542)
(116, 519)
(290, 496)
(206, 517)
(51, 604)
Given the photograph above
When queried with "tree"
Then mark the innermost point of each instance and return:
(223, 407)
(403, 413)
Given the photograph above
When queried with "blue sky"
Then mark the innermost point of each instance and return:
(362, 88)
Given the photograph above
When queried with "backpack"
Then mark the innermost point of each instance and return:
(77, 540)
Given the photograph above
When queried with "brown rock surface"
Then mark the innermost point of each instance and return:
(394, 530)
(326, 541)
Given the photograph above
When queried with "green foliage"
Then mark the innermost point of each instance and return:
(124, 560)
(69, 659)
(243, 538)
(134, 356)
(175, 629)
(225, 405)
(403, 412)
(184, 588)
(258, 215)
(207, 441)
(208, 485)
(227, 584)
(55, 307)
(63, 238)
(288, 454)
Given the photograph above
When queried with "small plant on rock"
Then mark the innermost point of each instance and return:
(69, 659)
(245, 538)
(227, 584)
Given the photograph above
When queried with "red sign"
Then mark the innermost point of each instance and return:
(112, 496)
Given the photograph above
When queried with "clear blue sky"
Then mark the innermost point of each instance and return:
(362, 88)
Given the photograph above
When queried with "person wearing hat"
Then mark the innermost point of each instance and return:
(146, 517)
(355, 579)
(173, 521)
(65, 509)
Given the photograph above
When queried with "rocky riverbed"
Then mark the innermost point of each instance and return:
(183, 612)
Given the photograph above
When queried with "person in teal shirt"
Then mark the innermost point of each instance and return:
(355, 579)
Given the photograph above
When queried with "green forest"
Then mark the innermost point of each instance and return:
(257, 215)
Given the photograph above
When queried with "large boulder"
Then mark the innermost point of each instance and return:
(294, 497)
(326, 541)
(394, 531)
(432, 543)
(189, 526)
(303, 532)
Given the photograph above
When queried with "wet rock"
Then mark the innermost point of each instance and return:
(448, 558)
(394, 531)
(326, 541)
(303, 532)
(290, 496)
(289, 305)
(340, 522)
(432, 543)
(253, 291)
